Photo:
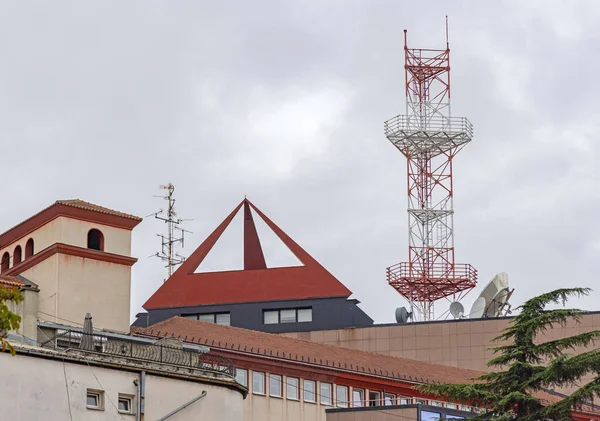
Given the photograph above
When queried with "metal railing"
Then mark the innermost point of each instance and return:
(140, 351)
(430, 124)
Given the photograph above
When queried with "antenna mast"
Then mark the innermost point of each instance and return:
(175, 234)
(429, 138)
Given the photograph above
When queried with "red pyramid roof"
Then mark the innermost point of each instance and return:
(255, 282)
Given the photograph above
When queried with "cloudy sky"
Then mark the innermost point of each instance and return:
(284, 102)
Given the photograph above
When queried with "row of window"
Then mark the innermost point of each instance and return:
(218, 318)
(95, 241)
(17, 256)
(287, 315)
(342, 396)
(95, 400)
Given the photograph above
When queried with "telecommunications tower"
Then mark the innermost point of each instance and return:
(175, 234)
(429, 138)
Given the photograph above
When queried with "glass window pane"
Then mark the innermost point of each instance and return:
(92, 400)
(124, 405)
(341, 396)
(454, 417)
(403, 400)
(451, 405)
(224, 319)
(275, 385)
(191, 316)
(389, 399)
(309, 391)
(271, 317)
(326, 393)
(430, 416)
(210, 318)
(358, 397)
(292, 388)
(241, 376)
(305, 315)
(288, 316)
(374, 398)
(258, 382)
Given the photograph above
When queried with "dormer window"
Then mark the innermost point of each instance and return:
(5, 262)
(29, 248)
(95, 240)
(17, 255)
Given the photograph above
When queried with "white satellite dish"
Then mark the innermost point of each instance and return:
(457, 310)
(478, 308)
(493, 299)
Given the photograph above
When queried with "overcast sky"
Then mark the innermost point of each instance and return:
(284, 102)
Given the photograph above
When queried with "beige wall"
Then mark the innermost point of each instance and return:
(72, 286)
(72, 232)
(28, 311)
(403, 414)
(35, 388)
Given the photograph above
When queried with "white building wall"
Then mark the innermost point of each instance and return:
(34, 388)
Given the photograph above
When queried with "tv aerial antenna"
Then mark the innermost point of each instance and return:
(175, 234)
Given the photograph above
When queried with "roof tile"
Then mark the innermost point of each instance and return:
(80, 204)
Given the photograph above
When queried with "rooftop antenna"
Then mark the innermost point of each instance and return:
(175, 234)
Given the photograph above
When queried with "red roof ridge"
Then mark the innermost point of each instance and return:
(329, 356)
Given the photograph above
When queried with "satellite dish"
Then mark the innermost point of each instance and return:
(402, 315)
(457, 310)
(478, 308)
(493, 298)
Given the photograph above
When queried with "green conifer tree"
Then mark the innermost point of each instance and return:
(525, 367)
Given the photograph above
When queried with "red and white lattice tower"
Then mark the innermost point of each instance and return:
(429, 138)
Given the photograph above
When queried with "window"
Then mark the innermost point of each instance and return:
(287, 315)
(304, 315)
(430, 416)
(258, 383)
(451, 406)
(374, 398)
(436, 403)
(218, 318)
(402, 400)
(341, 396)
(309, 391)
(5, 262)
(95, 240)
(326, 392)
(275, 388)
(17, 255)
(292, 388)
(241, 376)
(358, 397)
(389, 399)
(420, 401)
(454, 417)
(29, 248)
(94, 399)
(125, 404)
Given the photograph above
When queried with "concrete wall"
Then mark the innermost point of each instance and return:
(34, 388)
(462, 343)
(28, 311)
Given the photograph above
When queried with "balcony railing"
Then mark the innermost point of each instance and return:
(140, 351)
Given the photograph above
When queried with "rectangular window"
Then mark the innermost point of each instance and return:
(271, 317)
(389, 399)
(374, 398)
(436, 403)
(224, 319)
(326, 392)
(309, 391)
(94, 399)
(258, 383)
(420, 401)
(190, 316)
(275, 385)
(125, 404)
(305, 315)
(358, 398)
(292, 388)
(451, 406)
(430, 416)
(341, 396)
(210, 318)
(287, 316)
(402, 400)
(241, 376)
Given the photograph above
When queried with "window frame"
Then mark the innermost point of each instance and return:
(337, 396)
(278, 312)
(242, 370)
(196, 316)
(314, 391)
(321, 394)
(361, 402)
(377, 401)
(129, 399)
(264, 378)
(275, 376)
(296, 386)
(392, 398)
(99, 395)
